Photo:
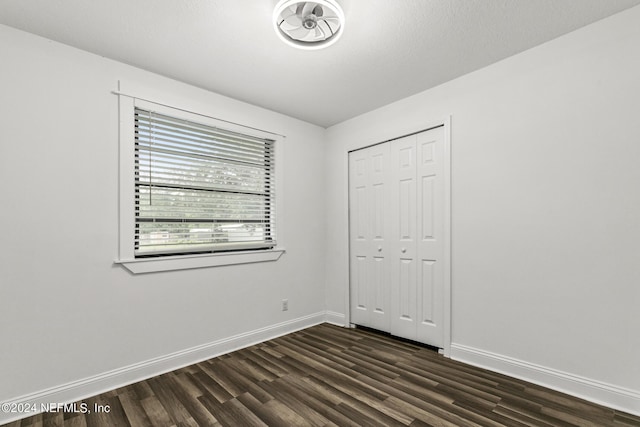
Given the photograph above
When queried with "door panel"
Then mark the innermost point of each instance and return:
(369, 216)
(430, 246)
(404, 227)
(379, 207)
(380, 286)
(406, 290)
(360, 279)
(359, 235)
(361, 212)
(405, 213)
(428, 207)
(379, 194)
(427, 290)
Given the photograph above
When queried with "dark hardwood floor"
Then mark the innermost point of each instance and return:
(332, 376)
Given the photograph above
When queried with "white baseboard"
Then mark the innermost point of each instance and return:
(91, 386)
(338, 319)
(594, 391)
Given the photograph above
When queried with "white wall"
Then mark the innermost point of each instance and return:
(67, 313)
(545, 209)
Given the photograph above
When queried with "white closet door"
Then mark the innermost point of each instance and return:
(404, 302)
(370, 228)
(397, 236)
(431, 231)
(417, 282)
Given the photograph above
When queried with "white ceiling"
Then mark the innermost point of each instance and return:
(390, 48)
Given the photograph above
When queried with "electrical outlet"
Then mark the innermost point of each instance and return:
(285, 304)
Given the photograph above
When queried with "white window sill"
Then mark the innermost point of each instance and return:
(184, 262)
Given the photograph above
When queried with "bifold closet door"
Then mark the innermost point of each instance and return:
(417, 237)
(396, 219)
(370, 275)
(404, 224)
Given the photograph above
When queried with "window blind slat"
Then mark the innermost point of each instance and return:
(163, 170)
(150, 133)
(184, 148)
(160, 120)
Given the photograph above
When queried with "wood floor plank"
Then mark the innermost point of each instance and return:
(314, 360)
(232, 413)
(621, 419)
(258, 357)
(425, 415)
(155, 411)
(331, 376)
(188, 395)
(316, 400)
(283, 391)
(243, 381)
(221, 373)
(133, 409)
(141, 389)
(442, 410)
(428, 393)
(275, 413)
(516, 404)
(363, 402)
(361, 418)
(76, 422)
(532, 420)
(276, 365)
(53, 419)
(258, 371)
(169, 401)
(210, 386)
(34, 421)
(371, 366)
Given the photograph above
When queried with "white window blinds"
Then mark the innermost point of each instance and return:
(200, 189)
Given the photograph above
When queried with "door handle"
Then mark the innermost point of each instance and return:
(403, 250)
(379, 248)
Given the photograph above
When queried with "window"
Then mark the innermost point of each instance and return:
(194, 191)
(199, 188)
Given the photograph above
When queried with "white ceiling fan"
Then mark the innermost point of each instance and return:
(309, 24)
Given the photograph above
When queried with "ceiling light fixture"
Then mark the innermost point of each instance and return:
(308, 24)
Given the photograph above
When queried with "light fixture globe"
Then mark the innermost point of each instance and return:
(308, 24)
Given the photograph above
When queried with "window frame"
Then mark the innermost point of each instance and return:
(126, 255)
